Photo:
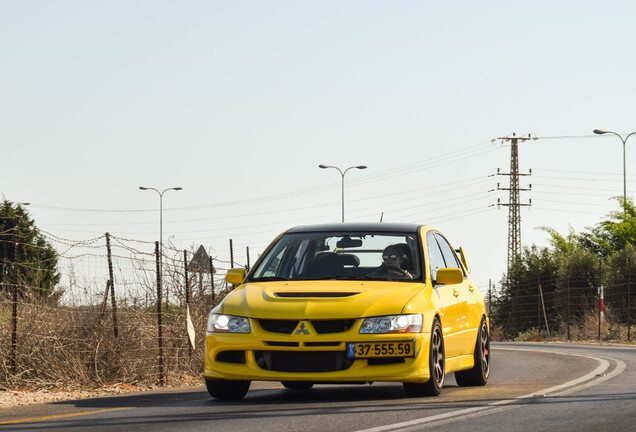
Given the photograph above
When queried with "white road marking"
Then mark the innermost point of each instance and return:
(590, 379)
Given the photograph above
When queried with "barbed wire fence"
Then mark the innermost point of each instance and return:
(572, 309)
(110, 319)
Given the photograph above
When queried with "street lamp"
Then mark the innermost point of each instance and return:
(343, 176)
(160, 220)
(624, 140)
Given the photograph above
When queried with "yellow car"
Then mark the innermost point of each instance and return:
(350, 303)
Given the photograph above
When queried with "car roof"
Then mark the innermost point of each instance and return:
(359, 226)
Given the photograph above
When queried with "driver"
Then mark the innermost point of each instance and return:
(392, 259)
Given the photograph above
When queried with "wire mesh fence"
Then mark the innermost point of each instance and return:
(109, 318)
(572, 308)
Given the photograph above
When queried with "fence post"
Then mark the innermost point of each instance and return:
(545, 316)
(187, 300)
(568, 307)
(231, 254)
(159, 324)
(212, 279)
(538, 304)
(601, 310)
(629, 297)
(112, 285)
(14, 314)
(601, 300)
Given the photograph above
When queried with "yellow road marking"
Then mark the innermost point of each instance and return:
(63, 415)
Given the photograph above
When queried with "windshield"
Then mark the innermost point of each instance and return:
(342, 255)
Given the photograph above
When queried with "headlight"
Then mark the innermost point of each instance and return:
(218, 323)
(392, 324)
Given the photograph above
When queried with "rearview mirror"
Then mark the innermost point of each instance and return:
(449, 276)
(235, 276)
(348, 242)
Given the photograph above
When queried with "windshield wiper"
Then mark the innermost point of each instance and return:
(353, 277)
(268, 278)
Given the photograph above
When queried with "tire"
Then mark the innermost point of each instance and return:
(478, 375)
(436, 367)
(297, 385)
(227, 389)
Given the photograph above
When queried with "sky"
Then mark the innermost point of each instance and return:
(238, 102)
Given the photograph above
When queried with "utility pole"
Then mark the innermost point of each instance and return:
(514, 205)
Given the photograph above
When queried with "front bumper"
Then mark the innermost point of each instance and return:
(268, 356)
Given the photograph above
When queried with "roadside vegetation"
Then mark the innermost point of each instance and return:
(61, 330)
(64, 326)
(554, 292)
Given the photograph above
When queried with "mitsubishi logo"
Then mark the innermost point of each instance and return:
(301, 329)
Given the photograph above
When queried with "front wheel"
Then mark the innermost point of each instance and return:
(227, 389)
(436, 367)
(478, 375)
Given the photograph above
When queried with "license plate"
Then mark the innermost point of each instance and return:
(381, 349)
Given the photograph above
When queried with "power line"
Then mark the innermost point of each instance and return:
(431, 162)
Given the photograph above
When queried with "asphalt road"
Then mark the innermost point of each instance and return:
(533, 387)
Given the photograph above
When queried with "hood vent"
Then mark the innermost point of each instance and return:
(315, 294)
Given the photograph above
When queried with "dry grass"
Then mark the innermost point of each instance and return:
(75, 348)
(583, 329)
(60, 347)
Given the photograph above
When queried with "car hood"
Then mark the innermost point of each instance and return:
(319, 299)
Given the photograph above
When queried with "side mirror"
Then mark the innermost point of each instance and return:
(462, 256)
(449, 276)
(235, 276)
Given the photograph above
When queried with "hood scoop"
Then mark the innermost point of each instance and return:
(315, 294)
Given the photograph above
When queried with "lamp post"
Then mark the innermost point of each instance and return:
(342, 174)
(624, 140)
(161, 222)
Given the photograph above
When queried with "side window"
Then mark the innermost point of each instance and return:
(435, 257)
(272, 266)
(449, 256)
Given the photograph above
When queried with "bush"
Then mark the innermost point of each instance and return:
(531, 335)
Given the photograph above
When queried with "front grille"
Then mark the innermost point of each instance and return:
(303, 361)
(321, 344)
(332, 326)
(282, 344)
(278, 326)
(231, 357)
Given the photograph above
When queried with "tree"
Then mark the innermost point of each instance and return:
(614, 234)
(569, 273)
(516, 305)
(37, 260)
